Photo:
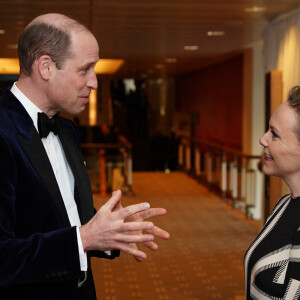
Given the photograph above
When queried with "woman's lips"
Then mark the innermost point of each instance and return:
(268, 157)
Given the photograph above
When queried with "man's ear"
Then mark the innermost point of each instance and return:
(45, 66)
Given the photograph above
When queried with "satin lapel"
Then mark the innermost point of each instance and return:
(33, 147)
(74, 157)
(37, 155)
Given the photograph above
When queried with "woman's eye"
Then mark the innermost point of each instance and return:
(274, 135)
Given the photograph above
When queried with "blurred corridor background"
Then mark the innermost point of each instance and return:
(186, 88)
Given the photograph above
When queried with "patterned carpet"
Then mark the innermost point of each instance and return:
(203, 258)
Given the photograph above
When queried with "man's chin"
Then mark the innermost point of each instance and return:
(75, 112)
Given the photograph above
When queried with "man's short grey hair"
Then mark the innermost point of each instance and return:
(41, 38)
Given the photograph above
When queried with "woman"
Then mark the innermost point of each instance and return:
(272, 263)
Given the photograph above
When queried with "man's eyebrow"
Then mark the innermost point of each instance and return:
(84, 66)
(87, 65)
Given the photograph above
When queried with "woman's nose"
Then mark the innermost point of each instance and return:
(263, 140)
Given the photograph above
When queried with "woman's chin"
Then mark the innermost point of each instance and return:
(268, 171)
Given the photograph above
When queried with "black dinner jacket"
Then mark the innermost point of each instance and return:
(38, 247)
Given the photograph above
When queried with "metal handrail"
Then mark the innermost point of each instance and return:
(104, 166)
(230, 173)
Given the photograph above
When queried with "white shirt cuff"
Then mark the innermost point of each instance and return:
(82, 254)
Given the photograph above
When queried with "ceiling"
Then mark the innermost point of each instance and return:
(145, 33)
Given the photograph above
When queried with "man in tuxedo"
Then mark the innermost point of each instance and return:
(48, 226)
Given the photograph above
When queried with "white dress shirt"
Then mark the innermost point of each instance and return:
(61, 169)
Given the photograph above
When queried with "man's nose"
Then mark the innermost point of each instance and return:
(93, 82)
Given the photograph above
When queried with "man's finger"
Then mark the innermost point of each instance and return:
(134, 238)
(137, 226)
(159, 233)
(152, 212)
(137, 258)
(118, 206)
(134, 251)
(151, 245)
(113, 201)
(132, 209)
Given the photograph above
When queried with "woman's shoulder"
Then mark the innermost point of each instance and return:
(282, 201)
(279, 205)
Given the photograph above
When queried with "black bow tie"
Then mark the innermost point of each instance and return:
(46, 124)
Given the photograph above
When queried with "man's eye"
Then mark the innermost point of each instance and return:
(85, 70)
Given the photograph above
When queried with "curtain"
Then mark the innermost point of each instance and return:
(282, 49)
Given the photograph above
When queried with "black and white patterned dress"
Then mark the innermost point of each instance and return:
(272, 263)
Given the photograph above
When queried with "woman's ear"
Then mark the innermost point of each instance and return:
(45, 65)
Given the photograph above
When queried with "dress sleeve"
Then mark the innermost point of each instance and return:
(293, 270)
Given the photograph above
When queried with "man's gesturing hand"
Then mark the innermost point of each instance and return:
(156, 231)
(108, 229)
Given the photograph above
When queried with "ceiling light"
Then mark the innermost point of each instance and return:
(171, 60)
(12, 46)
(2, 31)
(104, 66)
(191, 48)
(108, 66)
(255, 9)
(215, 33)
(93, 108)
(9, 66)
(159, 66)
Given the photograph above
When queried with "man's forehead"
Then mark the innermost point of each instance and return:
(84, 39)
(52, 19)
(84, 47)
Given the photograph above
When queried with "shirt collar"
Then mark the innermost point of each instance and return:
(30, 107)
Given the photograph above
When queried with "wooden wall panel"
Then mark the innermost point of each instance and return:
(216, 94)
